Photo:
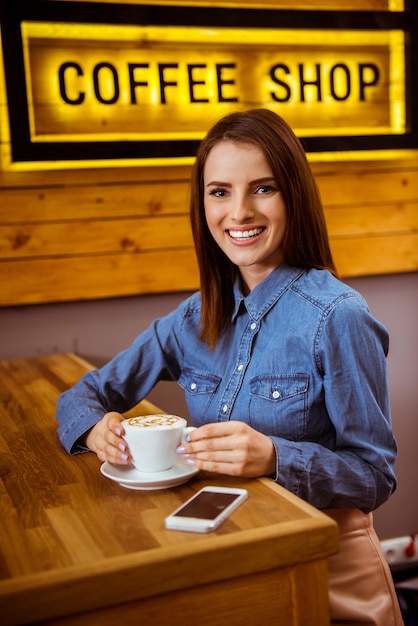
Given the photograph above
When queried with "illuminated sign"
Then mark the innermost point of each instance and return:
(143, 83)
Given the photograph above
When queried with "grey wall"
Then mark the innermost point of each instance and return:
(97, 330)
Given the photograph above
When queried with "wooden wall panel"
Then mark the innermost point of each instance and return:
(94, 233)
(68, 242)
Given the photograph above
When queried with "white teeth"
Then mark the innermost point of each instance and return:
(245, 234)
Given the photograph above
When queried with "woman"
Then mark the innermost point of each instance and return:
(282, 364)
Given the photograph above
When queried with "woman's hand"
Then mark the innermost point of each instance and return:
(105, 439)
(232, 448)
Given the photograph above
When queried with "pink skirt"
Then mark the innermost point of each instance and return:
(361, 588)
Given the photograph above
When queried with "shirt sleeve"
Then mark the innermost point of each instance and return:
(123, 382)
(358, 469)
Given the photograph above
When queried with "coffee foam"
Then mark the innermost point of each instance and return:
(160, 420)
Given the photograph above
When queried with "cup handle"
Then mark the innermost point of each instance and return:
(185, 432)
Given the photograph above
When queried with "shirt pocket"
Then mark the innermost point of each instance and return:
(279, 404)
(200, 387)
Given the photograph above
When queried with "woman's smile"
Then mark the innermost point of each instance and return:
(243, 236)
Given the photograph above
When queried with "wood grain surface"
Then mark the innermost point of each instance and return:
(77, 548)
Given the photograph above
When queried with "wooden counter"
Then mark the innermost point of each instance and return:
(77, 548)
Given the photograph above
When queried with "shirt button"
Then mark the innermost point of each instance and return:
(225, 408)
(193, 386)
(240, 366)
(253, 326)
(276, 394)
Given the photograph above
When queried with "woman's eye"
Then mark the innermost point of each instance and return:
(264, 189)
(218, 193)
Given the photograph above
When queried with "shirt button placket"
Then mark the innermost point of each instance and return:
(237, 374)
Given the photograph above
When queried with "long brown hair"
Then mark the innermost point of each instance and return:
(305, 244)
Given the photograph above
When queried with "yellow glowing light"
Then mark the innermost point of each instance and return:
(397, 81)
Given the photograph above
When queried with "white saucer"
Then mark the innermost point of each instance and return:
(131, 478)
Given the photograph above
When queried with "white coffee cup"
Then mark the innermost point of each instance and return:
(153, 439)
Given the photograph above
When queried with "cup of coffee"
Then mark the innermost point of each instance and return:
(153, 439)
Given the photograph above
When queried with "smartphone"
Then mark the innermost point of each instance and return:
(206, 510)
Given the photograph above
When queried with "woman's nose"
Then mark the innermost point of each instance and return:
(242, 209)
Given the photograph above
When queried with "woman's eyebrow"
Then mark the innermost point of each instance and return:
(218, 183)
(265, 179)
(257, 181)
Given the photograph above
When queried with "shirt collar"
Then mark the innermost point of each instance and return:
(262, 297)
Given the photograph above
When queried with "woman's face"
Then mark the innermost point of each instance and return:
(244, 209)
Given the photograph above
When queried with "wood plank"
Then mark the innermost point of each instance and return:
(102, 236)
(379, 219)
(362, 256)
(33, 205)
(363, 188)
(101, 276)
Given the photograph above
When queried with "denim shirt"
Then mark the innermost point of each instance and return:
(303, 361)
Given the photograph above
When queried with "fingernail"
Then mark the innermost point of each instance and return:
(118, 431)
(124, 457)
(181, 450)
(122, 447)
(188, 438)
(191, 462)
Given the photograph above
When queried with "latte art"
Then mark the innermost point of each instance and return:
(160, 420)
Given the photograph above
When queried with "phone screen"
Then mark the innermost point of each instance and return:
(207, 505)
